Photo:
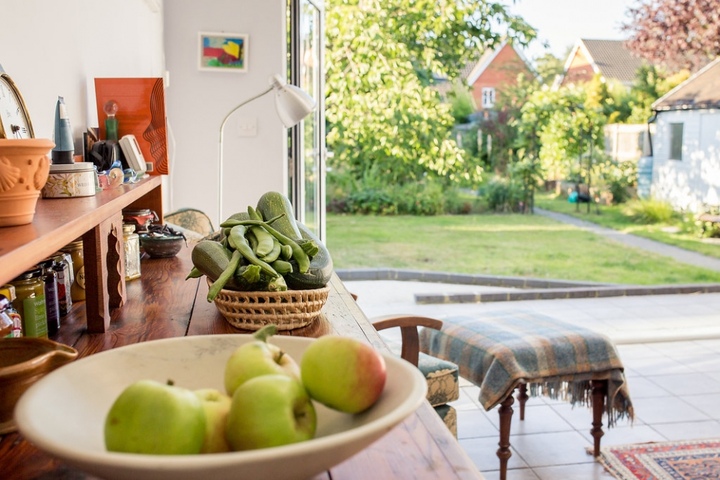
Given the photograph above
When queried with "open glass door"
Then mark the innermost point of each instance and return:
(307, 139)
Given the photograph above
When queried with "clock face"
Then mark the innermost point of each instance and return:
(14, 119)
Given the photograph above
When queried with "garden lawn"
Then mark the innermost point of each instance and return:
(504, 245)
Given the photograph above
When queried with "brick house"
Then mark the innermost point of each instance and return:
(494, 70)
(609, 58)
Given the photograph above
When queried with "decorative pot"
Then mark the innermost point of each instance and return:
(24, 169)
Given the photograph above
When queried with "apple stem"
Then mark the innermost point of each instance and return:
(265, 332)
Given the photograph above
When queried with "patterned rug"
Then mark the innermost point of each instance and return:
(688, 460)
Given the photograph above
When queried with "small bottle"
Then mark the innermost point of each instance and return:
(8, 291)
(64, 282)
(52, 307)
(6, 323)
(132, 252)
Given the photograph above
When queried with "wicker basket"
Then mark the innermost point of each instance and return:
(288, 310)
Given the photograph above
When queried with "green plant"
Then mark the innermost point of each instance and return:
(650, 211)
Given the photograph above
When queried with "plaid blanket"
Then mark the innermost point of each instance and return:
(499, 351)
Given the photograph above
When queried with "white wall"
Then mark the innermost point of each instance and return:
(197, 102)
(55, 48)
(52, 48)
(694, 181)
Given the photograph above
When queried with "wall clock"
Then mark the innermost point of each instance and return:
(14, 117)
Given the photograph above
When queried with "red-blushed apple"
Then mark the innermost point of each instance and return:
(155, 418)
(256, 358)
(270, 411)
(343, 373)
(217, 407)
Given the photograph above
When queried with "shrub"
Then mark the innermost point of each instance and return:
(502, 195)
(650, 211)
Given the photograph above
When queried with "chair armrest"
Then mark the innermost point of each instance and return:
(408, 325)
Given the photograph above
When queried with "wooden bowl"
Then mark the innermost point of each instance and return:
(23, 361)
(165, 246)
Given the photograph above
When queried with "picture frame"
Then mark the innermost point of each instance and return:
(223, 52)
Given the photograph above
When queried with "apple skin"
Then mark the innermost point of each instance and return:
(257, 358)
(343, 373)
(217, 407)
(155, 418)
(270, 411)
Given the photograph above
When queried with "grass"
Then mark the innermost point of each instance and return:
(506, 245)
(616, 217)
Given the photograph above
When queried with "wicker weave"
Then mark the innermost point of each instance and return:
(288, 310)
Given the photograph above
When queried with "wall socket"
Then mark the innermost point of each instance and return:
(247, 127)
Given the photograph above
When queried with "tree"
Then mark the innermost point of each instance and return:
(384, 119)
(676, 33)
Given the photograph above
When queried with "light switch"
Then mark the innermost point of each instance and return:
(247, 127)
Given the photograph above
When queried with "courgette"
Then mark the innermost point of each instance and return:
(211, 258)
(272, 204)
(321, 265)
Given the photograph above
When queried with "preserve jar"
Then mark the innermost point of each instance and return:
(30, 303)
(77, 289)
(132, 251)
(8, 291)
(62, 268)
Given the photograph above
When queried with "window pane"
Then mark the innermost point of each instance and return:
(676, 141)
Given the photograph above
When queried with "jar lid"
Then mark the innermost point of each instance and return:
(72, 167)
(72, 245)
(29, 274)
(137, 212)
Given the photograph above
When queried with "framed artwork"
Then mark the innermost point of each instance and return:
(223, 52)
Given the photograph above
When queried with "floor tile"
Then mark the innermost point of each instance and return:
(687, 383)
(475, 424)
(689, 430)
(666, 410)
(643, 387)
(624, 434)
(708, 404)
(584, 471)
(512, 474)
(546, 449)
(538, 419)
(482, 451)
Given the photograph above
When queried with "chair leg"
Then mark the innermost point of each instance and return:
(505, 411)
(522, 397)
(599, 392)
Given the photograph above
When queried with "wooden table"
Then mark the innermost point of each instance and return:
(161, 304)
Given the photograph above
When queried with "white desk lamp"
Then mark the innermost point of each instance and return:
(292, 105)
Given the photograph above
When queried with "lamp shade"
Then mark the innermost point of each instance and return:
(292, 103)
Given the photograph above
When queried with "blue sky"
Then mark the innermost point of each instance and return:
(563, 22)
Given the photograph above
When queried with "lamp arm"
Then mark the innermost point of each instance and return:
(220, 159)
(227, 117)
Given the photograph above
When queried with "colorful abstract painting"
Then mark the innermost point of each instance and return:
(223, 52)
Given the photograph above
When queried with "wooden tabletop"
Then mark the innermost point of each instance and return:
(162, 304)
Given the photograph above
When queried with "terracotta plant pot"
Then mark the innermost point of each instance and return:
(23, 361)
(24, 169)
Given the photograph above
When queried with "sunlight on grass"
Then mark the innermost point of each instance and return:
(504, 245)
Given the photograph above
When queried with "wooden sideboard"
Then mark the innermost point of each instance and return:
(162, 304)
(98, 221)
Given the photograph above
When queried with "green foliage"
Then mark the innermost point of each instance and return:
(651, 83)
(650, 211)
(462, 103)
(381, 58)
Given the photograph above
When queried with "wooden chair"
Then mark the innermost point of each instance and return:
(441, 375)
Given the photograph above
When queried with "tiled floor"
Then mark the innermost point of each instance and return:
(670, 346)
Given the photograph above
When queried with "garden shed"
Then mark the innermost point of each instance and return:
(686, 144)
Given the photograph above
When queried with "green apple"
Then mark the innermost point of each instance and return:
(343, 373)
(157, 418)
(270, 411)
(217, 407)
(256, 358)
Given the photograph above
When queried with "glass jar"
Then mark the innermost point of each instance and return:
(132, 251)
(30, 303)
(6, 323)
(77, 290)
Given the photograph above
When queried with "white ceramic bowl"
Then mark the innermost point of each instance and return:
(82, 392)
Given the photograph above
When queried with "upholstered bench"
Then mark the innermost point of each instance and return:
(500, 352)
